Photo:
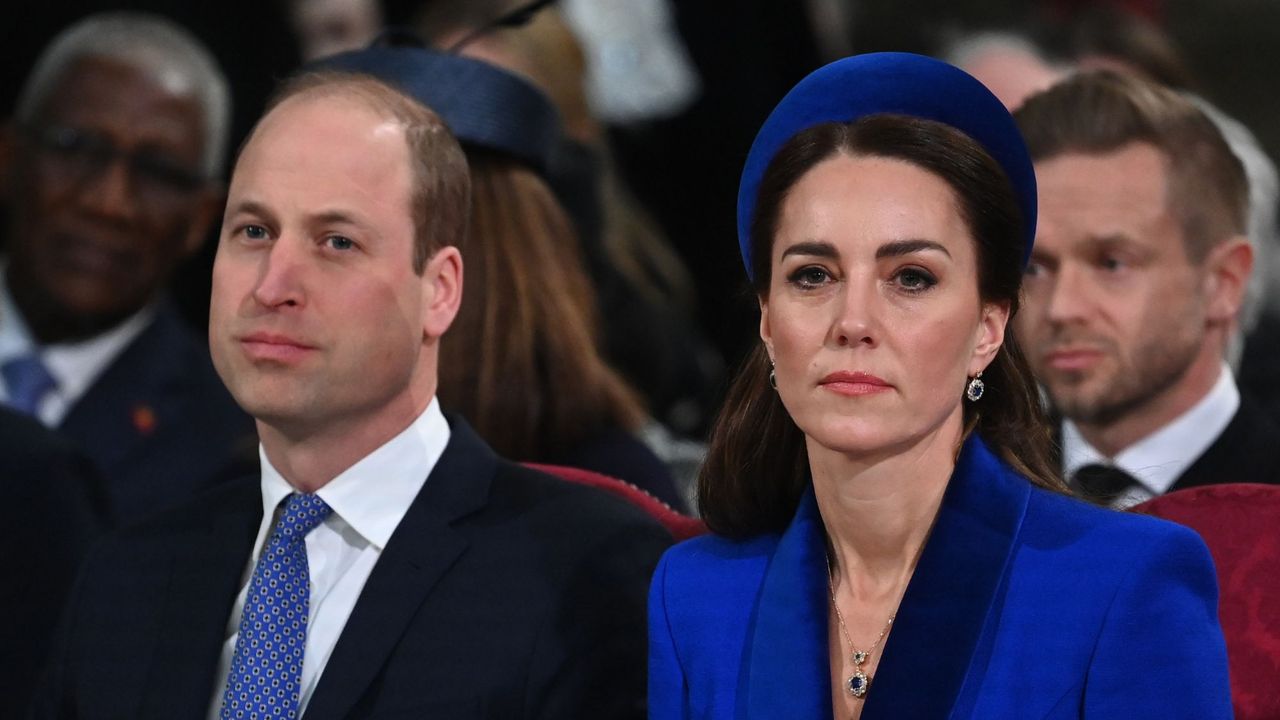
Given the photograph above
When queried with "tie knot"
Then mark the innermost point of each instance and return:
(1103, 483)
(27, 381)
(302, 513)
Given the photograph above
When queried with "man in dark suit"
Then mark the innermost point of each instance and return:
(51, 506)
(385, 563)
(1134, 288)
(109, 175)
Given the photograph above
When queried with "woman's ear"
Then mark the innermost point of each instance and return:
(990, 335)
(766, 333)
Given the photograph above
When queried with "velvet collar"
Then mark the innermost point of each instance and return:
(936, 640)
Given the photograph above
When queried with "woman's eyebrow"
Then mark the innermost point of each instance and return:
(906, 247)
(814, 248)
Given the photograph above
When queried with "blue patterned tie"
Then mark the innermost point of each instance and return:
(27, 381)
(266, 669)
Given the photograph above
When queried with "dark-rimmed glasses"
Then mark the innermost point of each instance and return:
(81, 154)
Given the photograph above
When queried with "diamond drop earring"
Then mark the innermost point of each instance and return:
(975, 388)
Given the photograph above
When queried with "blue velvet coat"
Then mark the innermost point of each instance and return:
(1024, 604)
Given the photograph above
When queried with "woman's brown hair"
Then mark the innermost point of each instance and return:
(521, 362)
(757, 465)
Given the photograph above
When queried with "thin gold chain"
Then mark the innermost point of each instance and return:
(859, 683)
(844, 629)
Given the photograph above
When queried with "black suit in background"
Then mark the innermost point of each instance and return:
(51, 506)
(159, 424)
(1248, 450)
(1259, 375)
(503, 593)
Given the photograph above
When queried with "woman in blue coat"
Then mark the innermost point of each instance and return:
(891, 537)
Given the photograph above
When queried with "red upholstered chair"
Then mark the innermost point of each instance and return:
(1240, 523)
(680, 526)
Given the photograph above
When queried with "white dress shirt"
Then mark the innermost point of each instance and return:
(368, 500)
(1157, 460)
(74, 366)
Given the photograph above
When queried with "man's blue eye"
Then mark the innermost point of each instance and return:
(337, 242)
(255, 232)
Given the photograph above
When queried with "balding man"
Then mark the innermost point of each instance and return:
(386, 563)
(109, 175)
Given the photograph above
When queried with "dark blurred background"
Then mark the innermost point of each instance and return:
(683, 166)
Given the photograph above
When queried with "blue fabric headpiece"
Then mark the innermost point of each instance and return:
(898, 83)
(483, 105)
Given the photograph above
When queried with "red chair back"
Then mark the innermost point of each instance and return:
(681, 527)
(1240, 522)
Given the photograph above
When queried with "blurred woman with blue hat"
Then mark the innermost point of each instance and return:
(891, 539)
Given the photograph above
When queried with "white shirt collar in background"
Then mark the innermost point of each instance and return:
(74, 366)
(1159, 459)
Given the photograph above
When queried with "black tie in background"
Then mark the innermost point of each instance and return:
(1102, 484)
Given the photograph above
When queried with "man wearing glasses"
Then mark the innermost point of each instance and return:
(108, 170)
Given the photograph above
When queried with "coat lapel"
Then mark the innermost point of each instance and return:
(786, 669)
(935, 644)
(204, 577)
(419, 554)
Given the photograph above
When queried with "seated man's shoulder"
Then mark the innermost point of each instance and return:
(531, 515)
(207, 510)
(27, 445)
(134, 565)
(535, 497)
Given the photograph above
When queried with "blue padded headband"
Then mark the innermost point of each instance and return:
(898, 83)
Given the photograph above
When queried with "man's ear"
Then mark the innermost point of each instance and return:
(442, 296)
(206, 215)
(1227, 271)
(991, 329)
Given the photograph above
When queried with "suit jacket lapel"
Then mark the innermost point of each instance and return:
(935, 644)
(207, 566)
(118, 412)
(419, 554)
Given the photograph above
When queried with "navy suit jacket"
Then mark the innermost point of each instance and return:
(1248, 450)
(503, 593)
(51, 506)
(1024, 604)
(158, 423)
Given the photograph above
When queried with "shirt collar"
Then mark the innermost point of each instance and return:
(1159, 459)
(15, 337)
(373, 495)
(75, 365)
